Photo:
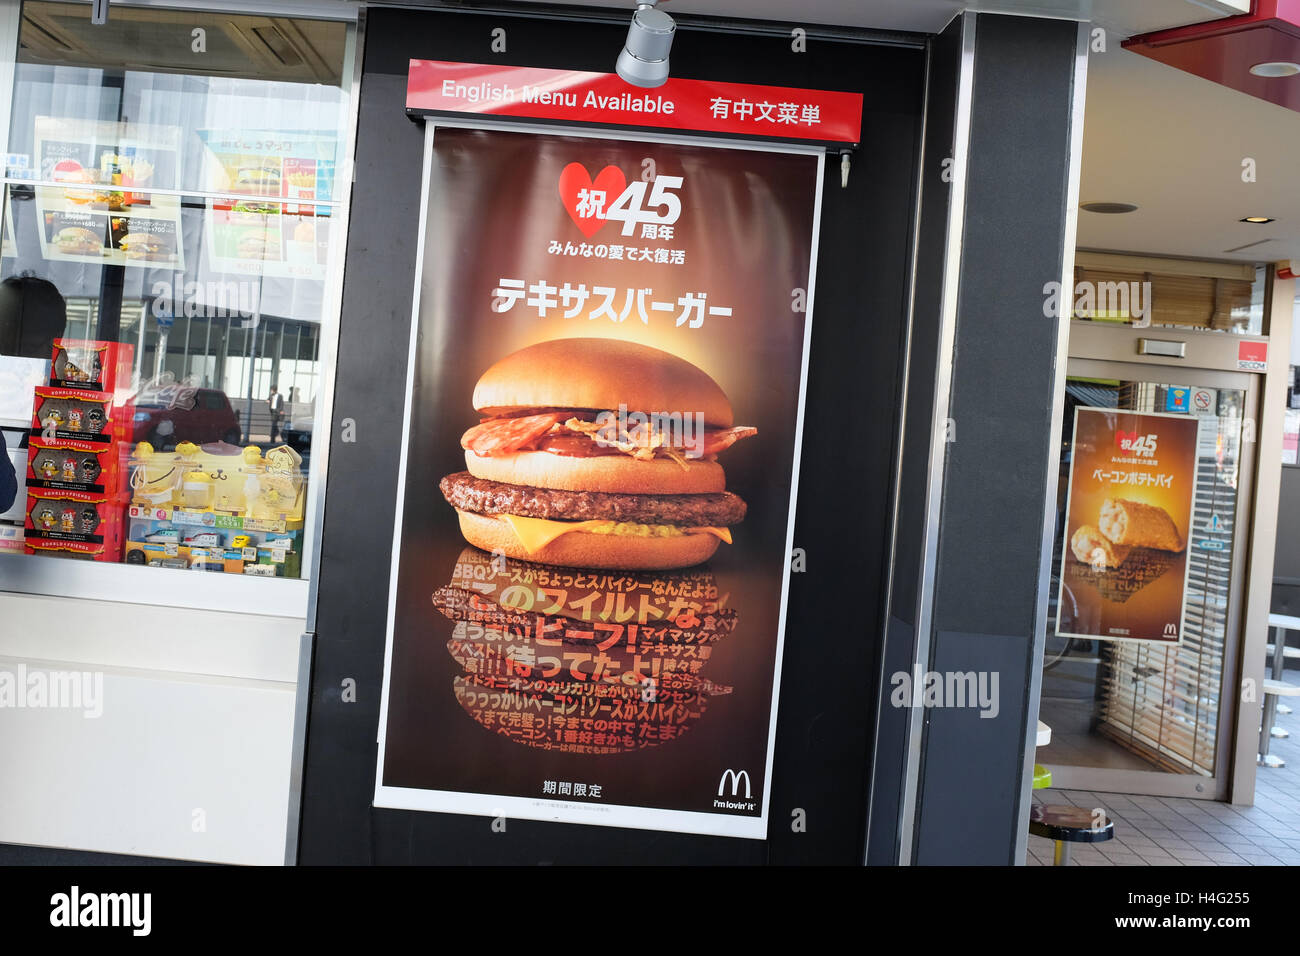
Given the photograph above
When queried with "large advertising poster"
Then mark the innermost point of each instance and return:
(600, 465)
(1128, 520)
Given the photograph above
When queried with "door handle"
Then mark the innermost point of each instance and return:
(1167, 347)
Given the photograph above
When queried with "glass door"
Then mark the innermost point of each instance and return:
(1150, 716)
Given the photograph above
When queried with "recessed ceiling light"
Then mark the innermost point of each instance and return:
(1276, 68)
(1108, 208)
(1256, 220)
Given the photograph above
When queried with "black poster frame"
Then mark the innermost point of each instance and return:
(831, 682)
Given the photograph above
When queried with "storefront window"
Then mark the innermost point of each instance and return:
(170, 226)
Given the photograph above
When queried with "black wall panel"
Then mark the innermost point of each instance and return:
(830, 668)
(1004, 367)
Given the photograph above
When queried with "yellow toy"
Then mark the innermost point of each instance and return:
(154, 478)
(196, 490)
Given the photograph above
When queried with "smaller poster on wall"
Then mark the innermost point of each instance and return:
(1128, 516)
(106, 210)
(270, 220)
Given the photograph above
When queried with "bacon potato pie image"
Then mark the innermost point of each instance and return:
(1122, 526)
(597, 453)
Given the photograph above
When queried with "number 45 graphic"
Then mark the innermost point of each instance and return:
(633, 208)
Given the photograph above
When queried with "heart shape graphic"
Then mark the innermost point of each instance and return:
(1121, 437)
(581, 195)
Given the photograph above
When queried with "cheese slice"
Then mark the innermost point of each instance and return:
(537, 533)
(722, 534)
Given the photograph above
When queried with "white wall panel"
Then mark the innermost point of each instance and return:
(197, 716)
(176, 766)
(149, 636)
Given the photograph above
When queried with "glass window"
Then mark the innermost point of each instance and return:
(169, 217)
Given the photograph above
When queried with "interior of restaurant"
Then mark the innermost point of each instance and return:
(1187, 195)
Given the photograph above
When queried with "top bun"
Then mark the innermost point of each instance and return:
(600, 374)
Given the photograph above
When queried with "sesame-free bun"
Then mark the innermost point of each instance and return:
(580, 549)
(613, 474)
(600, 374)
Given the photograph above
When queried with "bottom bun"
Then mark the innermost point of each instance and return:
(581, 549)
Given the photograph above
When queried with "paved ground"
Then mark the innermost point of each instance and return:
(1174, 831)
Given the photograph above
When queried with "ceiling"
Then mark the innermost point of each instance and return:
(1169, 141)
(1125, 17)
(1174, 144)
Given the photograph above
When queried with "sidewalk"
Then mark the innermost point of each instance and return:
(1175, 831)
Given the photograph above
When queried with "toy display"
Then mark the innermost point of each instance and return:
(69, 516)
(210, 541)
(99, 366)
(94, 496)
(75, 491)
(240, 482)
(214, 508)
(78, 465)
(80, 415)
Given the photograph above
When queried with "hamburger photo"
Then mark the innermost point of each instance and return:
(144, 246)
(251, 211)
(260, 180)
(77, 241)
(597, 453)
(258, 244)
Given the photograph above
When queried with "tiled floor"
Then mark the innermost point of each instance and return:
(1173, 831)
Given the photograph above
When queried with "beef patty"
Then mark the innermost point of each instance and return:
(462, 490)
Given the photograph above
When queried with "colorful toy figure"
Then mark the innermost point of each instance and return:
(89, 468)
(54, 419)
(48, 468)
(69, 520)
(47, 519)
(74, 419)
(74, 374)
(69, 469)
(94, 420)
(88, 520)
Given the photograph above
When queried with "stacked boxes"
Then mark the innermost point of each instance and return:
(80, 432)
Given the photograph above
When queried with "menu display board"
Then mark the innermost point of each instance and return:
(599, 473)
(271, 221)
(105, 210)
(1128, 519)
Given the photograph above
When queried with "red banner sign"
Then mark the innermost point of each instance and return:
(775, 112)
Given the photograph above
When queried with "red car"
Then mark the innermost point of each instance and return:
(199, 415)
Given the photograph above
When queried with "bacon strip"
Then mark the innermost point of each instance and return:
(505, 436)
(716, 441)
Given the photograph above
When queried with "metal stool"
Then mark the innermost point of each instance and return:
(1273, 689)
(1068, 824)
(1279, 654)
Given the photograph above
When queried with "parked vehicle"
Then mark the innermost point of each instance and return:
(199, 415)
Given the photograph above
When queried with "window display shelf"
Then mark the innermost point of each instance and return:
(181, 588)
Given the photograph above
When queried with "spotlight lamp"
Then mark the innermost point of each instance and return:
(644, 60)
